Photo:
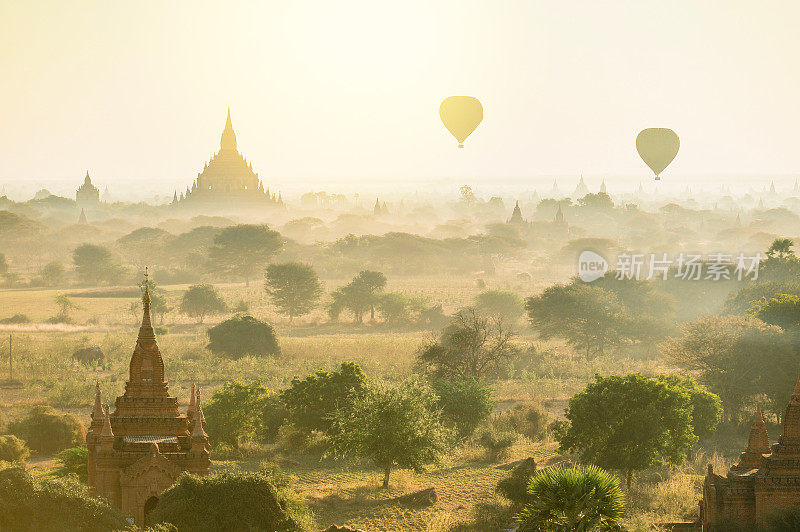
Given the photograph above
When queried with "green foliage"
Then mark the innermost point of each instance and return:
(781, 248)
(783, 519)
(706, 406)
(737, 357)
(398, 426)
(48, 431)
(12, 449)
(243, 335)
(398, 309)
(95, 264)
(464, 404)
(30, 504)
(500, 305)
(358, 296)
(200, 300)
(629, 423)
(497, 442)
(242, 250)
(576, 499)
(514, 487)
(598, 202)
(312, 401)
(294, 288)
(526, 419)
(158, 301)
(52, 274)
(781, 264)
(65, 305)
(782, 310)
(235, 412)
(470, 348)
(740, 302)
(231, 501)
(74, 461)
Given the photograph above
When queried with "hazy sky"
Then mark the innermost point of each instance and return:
(335, 91)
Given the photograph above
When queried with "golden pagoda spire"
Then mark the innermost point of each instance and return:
(228, 140)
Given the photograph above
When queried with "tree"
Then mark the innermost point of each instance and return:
(200, 300)
(629, 423)
(740, 302)
(12, 449)
(52, 273)
(95, 264)
(3, 264)
(781, 248)
(782, 264)
(782, 310)
(598, 202)
(312, 401)
(242, 250)
(396, 308)
(500, 305)
(464, 404)
(294, 287)
(358, 296)
(586, 316)
(706, 406)
(737, 357)
(398, 426)
(74, 461)
(65, 305)
(232, 501)
(48, 431)
(574, 499)
(470, 348)
(243, 335)
(29, 503)
(234, 412)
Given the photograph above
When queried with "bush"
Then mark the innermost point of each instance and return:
(243, 335)
(231, 501)
(48, 431)
(312, 401)
(515, 486)
(464, 404)
(12, 449)
(16, 318)
(74, 461)
(783, 519)
(29, 504)
(497, 443)
(528, 420)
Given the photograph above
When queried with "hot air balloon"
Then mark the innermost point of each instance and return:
(657, 146)
(461, 115)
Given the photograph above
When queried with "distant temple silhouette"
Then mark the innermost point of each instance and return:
(227, 179)
(87, 195)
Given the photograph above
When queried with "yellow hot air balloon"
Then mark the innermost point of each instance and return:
(461, 115)
(657, 146)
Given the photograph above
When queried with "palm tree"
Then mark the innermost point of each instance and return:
(577, 499)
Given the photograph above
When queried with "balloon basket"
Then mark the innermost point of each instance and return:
(658, 178)
(460, 145)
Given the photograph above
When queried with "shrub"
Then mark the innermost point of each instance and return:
(783, 519)
(243, 335)
(528, 420)
(583, 498)
(464, 404)
(12, 449)
(497, 443)
(74, 461)
(47, 431)
(234, 412)
(16, 318)
(231, 501)
(51, 505)
(515, 486)
(312, 401)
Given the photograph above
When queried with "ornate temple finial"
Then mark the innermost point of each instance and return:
(97, 411)
(228, 139)
(107, 434)
(191, 408)
(198, 432)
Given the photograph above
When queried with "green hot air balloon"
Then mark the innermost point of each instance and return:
(657, 146)
(461, 115)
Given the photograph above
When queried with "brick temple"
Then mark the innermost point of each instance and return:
(764, 480)
(138, 451)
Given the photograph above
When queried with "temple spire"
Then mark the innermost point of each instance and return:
(146, 323)
(228, 140)
(757, 444)
(106, 434)
(198, 432)
(97, 411)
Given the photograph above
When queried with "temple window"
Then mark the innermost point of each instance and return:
(147, 370)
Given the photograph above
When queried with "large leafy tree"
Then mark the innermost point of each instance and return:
(294, 288)
(397, 426)
(362, 294)
(234, 412)
(737, 357)
(242, 250)
(472, 347)
(46, 430)
(232, 501)
(782, 310)
(200, 300)
(312, 401)
(753, 292)
(629, 423)
(575, 499)
(95, 264)
(706, 406)
(243, 335)
(586, 316)
(500, 305)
